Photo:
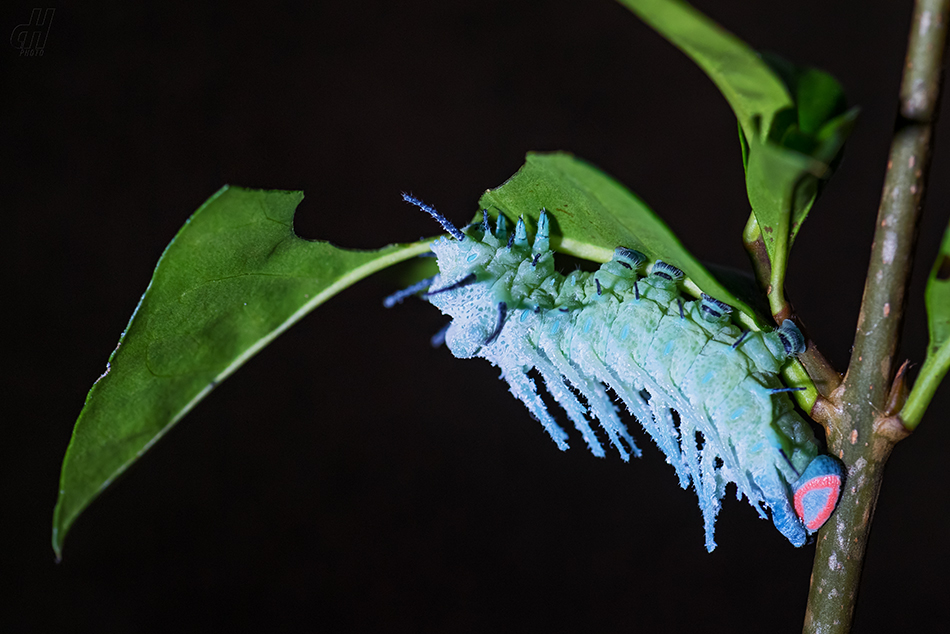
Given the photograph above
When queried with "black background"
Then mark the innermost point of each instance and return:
(350, 477)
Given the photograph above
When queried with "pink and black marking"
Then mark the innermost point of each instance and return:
(816, 493)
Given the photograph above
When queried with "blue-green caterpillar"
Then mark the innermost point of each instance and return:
(633, 332)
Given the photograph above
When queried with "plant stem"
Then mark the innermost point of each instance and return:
(926, 386)
(858, 433)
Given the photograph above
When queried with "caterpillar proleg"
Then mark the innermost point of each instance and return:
(707, 392)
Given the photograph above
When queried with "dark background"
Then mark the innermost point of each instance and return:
(350, 477)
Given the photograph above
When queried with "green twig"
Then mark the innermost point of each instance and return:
(930, 376)
(859, 431)
(818, 368)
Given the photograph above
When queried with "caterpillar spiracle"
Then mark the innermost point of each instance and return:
(630, 330)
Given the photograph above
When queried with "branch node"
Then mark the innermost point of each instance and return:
(899, 391)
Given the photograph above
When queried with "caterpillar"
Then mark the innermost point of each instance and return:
(707, 392)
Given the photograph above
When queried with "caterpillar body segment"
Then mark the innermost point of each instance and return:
(707, 392)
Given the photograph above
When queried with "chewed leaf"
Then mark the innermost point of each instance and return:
(234, 278)
(593, 214)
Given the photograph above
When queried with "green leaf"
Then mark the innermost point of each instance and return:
(592, 214)
(937, 297)
(234, 278)
(792, 123)
(815, 129)
(752, 89)
(783, 184)
(831, 137)
(818, 96)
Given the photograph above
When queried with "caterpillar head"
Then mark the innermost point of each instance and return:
(480, 272)
(481, 326)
